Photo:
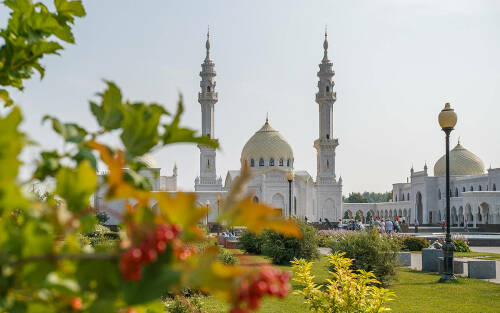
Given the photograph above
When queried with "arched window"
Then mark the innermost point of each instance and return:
(288, 162)
(439, 194)
(494, 187)
(261, 162)
(208, 88)
(456, 192)
(471, 188)
(327, 88)
(208, 163)
(327, 164)
(271, 162)
(408, 198)
(281, 162)
(252, 162)
(396, 199)
(463, 189)
(403, 199)
(480, 188)
(327, 136)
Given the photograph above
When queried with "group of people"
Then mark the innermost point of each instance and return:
(383, 226)
(388, 226)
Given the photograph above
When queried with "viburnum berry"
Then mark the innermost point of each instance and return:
(269, 280)
(76, 304)
(134, 259)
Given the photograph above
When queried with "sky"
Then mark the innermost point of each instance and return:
(396, 63)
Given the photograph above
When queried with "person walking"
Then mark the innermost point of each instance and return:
(416, 225)
(443, 225)
(466, 224)
(388, 226)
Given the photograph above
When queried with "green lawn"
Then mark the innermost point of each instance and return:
(415, 292)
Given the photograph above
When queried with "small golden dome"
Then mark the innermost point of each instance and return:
(462, 162)
(267, 143)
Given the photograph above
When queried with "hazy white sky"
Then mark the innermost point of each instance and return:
(396, 62)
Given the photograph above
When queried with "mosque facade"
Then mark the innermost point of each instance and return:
(475, 198)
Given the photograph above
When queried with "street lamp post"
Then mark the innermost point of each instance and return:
(447, 120)
(218, 198)
(208, 208)
(289, 177)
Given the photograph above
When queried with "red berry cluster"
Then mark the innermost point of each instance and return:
(133, 259)
(271, 281)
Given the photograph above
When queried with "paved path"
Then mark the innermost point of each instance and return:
(486, 249)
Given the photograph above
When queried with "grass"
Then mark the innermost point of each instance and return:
(415, 292)
(478, 255)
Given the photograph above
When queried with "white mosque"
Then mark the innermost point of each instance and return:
(276, 181)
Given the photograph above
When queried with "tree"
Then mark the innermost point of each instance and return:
(45, 265)
(355, 197)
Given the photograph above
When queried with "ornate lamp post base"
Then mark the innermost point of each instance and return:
(448, 275)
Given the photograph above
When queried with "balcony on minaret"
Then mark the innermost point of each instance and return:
(326, 96)
(207, 96)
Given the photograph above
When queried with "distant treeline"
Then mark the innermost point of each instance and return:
(367, 197)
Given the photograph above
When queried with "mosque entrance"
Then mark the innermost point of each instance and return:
(420, 209)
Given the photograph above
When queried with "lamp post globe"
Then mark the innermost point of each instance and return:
(289, 177)
(447, 120)
(447, 117)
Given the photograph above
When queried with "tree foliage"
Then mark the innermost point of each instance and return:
(368, 197)
(46, 265)
(31, 33)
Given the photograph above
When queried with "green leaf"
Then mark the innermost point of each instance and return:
(109, 114)
(140, 127)
(85, 154)
(71, 132)
(11, 143)
(156, 278)
(48, 165)
(70, 8)
(76, 185)
(38, 238)
(175, 134)
(4, 95)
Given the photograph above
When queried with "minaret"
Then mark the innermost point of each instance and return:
(207, 99)
(325, 144)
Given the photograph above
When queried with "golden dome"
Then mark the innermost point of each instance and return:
(462, 162)
(267, 143)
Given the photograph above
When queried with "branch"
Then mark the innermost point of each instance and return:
(68, 256)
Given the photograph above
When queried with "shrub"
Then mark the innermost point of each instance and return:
(461, 245)
(347, 291)
(181, 304)
(282, 249)
(227, 257)
(251, 243)
(323, 240)
(410, 243)
(371, 252)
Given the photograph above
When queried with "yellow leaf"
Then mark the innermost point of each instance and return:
(257, 217)
(180, 209)
(210, 275)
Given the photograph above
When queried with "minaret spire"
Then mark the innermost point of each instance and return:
(207, 44)
(325, 46)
